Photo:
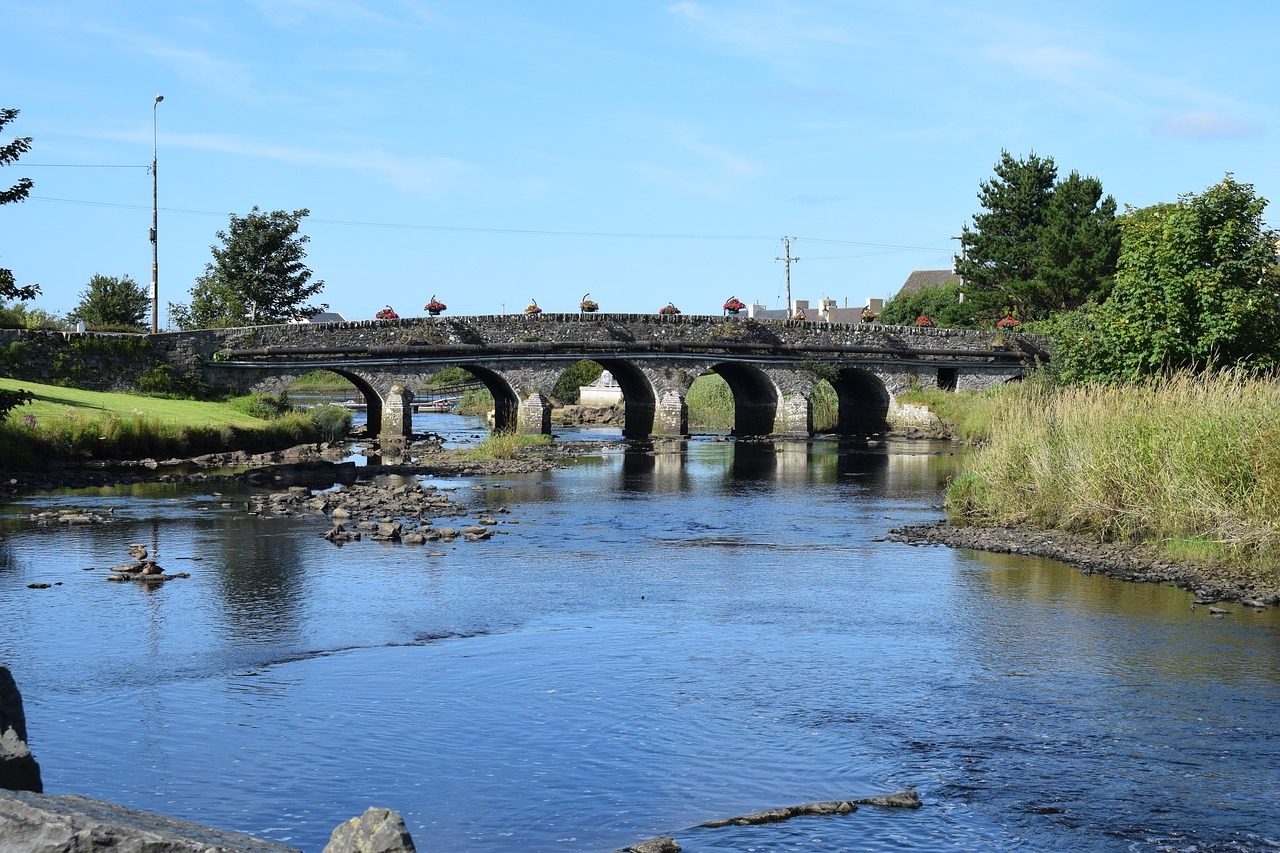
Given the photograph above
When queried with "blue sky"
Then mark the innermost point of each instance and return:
(493, 152)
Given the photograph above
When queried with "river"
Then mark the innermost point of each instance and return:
(656, 640)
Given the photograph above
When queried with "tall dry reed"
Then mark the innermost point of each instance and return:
(1189, 462)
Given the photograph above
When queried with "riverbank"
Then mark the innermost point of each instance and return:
(1135, 562)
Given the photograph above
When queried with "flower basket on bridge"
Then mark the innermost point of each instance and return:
(387, 313)
(435, 306)
(733, 305)
(532, 309)
(1008, 324)
(669, 309)
(869, 316)
(588, 306)
(924, 322)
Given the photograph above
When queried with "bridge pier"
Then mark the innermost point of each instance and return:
(794, 416)
(533, 417)
(397, 413)
(671, 420)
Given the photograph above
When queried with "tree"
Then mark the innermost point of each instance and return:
(942, 304)
(9, 153)
(111, 301)
(256, 277)
(1196, 287)
(1043, 245)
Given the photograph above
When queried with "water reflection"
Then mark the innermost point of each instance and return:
(662, 636)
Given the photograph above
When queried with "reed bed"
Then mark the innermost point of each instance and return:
(1191, 463)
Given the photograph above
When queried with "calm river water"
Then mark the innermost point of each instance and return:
(658, 640)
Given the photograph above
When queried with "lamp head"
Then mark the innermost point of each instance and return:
(159, 98)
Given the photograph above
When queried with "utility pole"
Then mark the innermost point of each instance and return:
(786, 242)
(155, 217)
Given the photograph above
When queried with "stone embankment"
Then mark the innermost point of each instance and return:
(1123, 561)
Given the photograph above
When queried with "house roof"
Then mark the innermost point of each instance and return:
(327, 317)
(920, 279)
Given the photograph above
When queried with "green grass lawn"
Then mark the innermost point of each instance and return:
(53, 401)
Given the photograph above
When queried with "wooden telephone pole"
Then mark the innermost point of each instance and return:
(786, 243)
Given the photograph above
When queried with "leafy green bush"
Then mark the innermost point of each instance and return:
(265, 406)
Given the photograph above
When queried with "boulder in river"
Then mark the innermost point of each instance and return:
(18, 768)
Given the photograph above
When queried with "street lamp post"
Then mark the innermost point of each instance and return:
(155, 218)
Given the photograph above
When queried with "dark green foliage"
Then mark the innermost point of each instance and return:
(942, 305)
(86, 359)
(257, 276)
(112, 301)
(1079, 245)
(1196, 288)
(580, 373)
(264, 406)
(10, 400)
(1043, 245)
(9, 153)
(451, 376)
(162, 381)
(11, 356)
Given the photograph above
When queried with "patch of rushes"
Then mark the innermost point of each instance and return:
(506, 445)
(1189, 463)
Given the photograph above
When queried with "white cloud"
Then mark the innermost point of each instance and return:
(1203, 124)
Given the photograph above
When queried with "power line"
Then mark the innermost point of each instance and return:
(84, 166)
(884, 248)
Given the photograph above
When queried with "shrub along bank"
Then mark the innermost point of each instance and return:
(1190, 464)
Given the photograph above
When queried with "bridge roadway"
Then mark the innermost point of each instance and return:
(771, 367)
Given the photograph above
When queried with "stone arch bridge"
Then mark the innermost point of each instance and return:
(771, 367)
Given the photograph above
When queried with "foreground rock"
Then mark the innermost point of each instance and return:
(375, 831)
(37, 823)
(18, 768)
(1123, 561)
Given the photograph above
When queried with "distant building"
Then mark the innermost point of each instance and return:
(322, 317)
(601, 393)
(921, 279)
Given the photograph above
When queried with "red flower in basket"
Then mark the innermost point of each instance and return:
(1008, 323)
(924, 321)
(387, 313)
(733, 305)
(532, 307)
(669, 309)
(435, 306)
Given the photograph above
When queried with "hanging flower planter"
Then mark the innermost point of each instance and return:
(733, 305)
(435, 306)
(532, 308)
(869, 316)
(387, 313)
(924, 321)
(588, 306)
(669, 309)
(1008, 323)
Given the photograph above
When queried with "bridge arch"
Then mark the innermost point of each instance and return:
(506, 400)
(863, 401)
(639, 400)
(372, 399)
(755, 398)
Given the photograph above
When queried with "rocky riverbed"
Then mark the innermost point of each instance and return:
(1124, 561)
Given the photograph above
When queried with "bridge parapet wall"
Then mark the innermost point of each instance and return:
(605, 329)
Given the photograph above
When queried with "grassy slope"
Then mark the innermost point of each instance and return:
(53, 401)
